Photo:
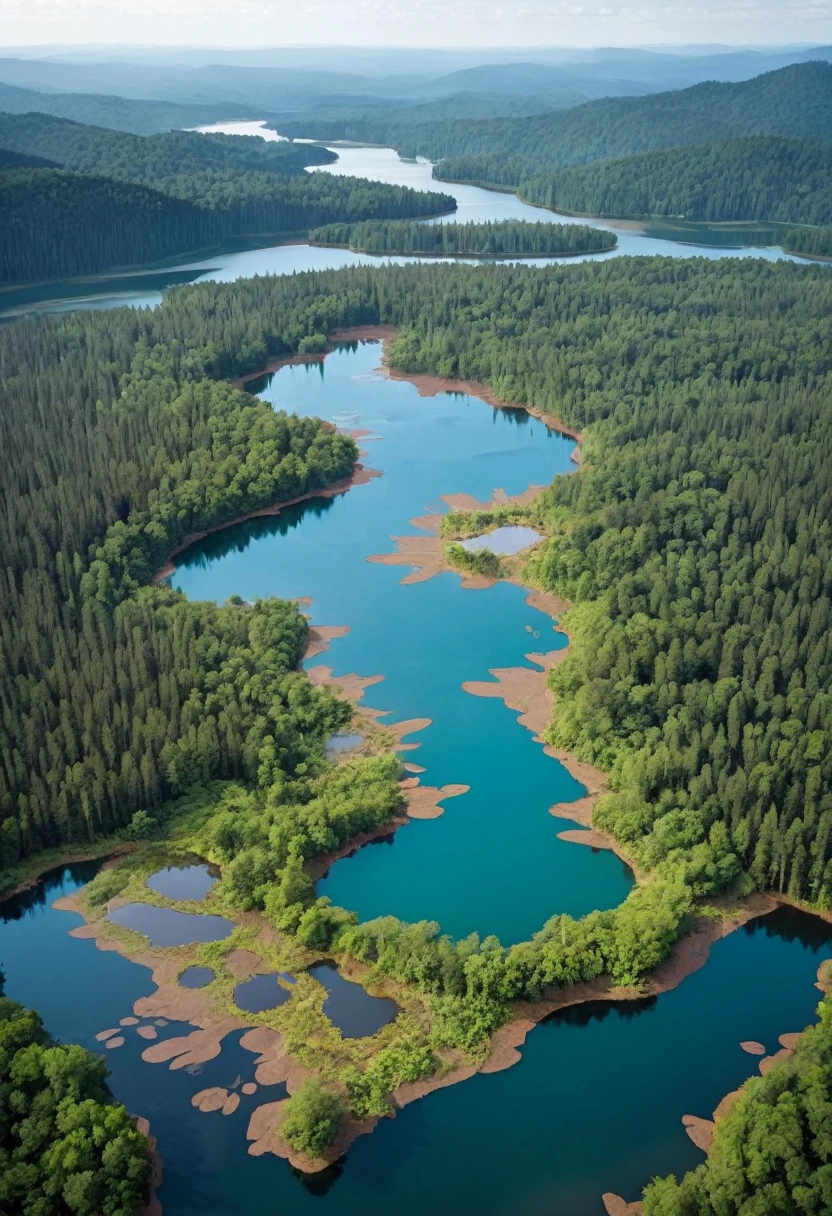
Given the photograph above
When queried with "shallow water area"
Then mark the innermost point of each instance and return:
(187, 881)
(167, 927)
(349, 1006)
(259, 993)
(505, 542)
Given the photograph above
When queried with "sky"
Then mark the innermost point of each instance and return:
(480, 23)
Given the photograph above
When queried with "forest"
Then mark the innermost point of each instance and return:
(66, 1148)
(773, 1152)
(507, 238)
(125, 200)
(793, 102)
(693, 542)
(116, 695)
(760, 178)
(813, 243)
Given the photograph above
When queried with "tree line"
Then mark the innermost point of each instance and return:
(505, 238)
(773, 1151)
(114, 199)
(115, 695)
(66, 1148)
(810, 242)
(762, 178)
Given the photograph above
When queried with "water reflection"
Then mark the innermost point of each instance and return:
(167, 927)
(185, 881)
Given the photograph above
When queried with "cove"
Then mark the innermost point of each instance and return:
(242, 259)
(493, 862)
(595, 1104)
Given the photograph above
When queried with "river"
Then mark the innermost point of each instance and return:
(596, 1102)
(144, 288)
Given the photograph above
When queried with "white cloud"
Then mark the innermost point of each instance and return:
(412, 22)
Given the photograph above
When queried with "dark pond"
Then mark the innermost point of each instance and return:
(167, 927)
(196, 977)
(259, 993)
(187, 881)
(349, 1006)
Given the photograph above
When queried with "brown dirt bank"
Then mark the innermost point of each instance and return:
(153, 1207)
(360, 477)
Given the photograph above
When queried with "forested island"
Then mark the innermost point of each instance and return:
(111, 199)
(690, 543)
(507, 238)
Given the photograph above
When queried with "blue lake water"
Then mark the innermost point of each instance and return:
(493, 862)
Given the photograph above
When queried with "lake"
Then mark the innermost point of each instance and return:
(143, 289)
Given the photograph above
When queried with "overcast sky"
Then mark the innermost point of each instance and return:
(229, 23)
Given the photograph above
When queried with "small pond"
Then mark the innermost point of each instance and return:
(503, 541)
(167, 927)
(196, 977)
(261, 992)
(349, 1006)
(342, 743)
(190, 880)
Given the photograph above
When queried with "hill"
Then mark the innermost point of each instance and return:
(119, 113)
(792, 102)
(760, 178)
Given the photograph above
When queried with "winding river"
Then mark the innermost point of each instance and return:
(596, 1102)
(144, 288)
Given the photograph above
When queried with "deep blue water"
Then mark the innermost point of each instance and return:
(594, 1105)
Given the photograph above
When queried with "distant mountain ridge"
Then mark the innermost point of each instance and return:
(139, 117)
(793, 102)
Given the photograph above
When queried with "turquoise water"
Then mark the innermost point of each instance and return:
(595, 1104)
(493, 862)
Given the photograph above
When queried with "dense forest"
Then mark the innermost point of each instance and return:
(183, 163)
(761, 178)
(773, 1151)
(794, 102)
(507, 238)
(131, 200)
(693, 544)
(58, 223)
(814, 243)
(66, 1148)
(114, 450)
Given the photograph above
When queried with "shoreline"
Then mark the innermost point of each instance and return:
(359, 477)
(480, 257)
